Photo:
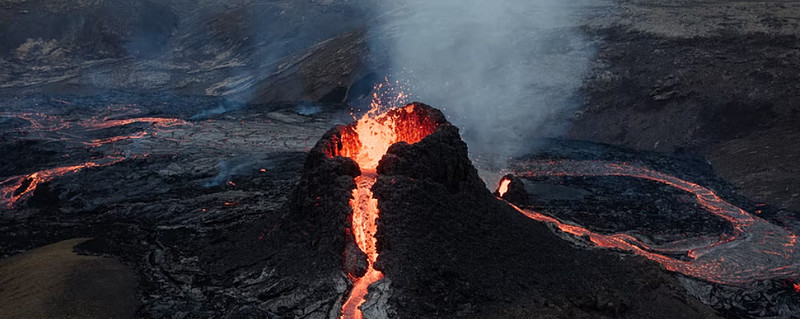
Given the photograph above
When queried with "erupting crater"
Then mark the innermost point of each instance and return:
(365, 142)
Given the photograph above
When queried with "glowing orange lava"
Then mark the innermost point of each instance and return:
(503, 187)
(756, 250)
(17, 188)
(364, 221)
(366, 143)
(155, 121)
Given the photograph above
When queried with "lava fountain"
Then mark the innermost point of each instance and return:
(365, 142)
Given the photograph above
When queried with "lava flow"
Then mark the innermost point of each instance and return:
(366, 141)
(756, 250)
(17, 188)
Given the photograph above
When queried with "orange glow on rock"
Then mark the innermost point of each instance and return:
(756, 249)
(366, 141)
(372, 135)
(18, 188)
(503, 187)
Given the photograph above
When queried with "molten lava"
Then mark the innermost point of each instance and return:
(17, 188)
(366, 141)
(756, 250)
(503, 187)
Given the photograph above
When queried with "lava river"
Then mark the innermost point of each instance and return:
(756, 250)
(366, 143)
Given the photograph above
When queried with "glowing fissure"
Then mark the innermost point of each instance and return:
(756, 250)
(366, 144)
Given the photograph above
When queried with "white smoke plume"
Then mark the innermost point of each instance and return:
(502, 70)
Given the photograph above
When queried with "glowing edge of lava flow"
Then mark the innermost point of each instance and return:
(757, 249)
(11, 189)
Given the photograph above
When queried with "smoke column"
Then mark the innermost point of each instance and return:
(504, 71)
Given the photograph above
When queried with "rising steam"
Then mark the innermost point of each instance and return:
(504, 71)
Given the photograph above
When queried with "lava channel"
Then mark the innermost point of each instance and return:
(17, 188)
(757, 249)
(366, 141)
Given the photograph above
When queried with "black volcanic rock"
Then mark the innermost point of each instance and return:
(422, 161)
(451, 249)
(308, 246)
(319, 208)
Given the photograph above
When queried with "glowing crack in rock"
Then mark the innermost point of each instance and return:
(756, 250)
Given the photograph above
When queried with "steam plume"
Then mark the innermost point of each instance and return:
(502, 70)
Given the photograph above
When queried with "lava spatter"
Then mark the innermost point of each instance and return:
(756, 250)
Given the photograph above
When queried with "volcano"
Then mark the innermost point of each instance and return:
(393, 203)
(386, 217)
